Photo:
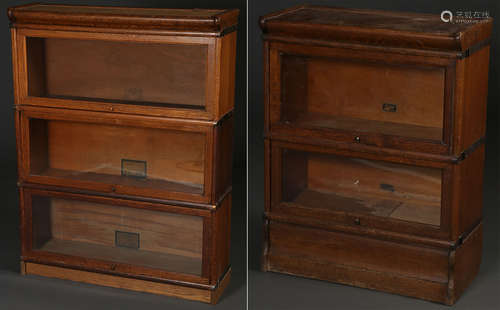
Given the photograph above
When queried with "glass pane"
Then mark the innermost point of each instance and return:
(335, 183)
(364, 97)
(160, 240)
(141, 157)
(171, 75)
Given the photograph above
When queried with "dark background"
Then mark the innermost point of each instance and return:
(31, 292)
(275, 291)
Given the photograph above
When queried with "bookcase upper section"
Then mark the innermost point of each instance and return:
(160, 62)
(374, 27)
(202, 22)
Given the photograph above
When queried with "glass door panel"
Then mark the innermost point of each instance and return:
(151, 158)
(398, 100)
(155, 74)
(159, 240)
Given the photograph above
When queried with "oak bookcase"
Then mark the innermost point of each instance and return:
(124, 137)
(374, 125)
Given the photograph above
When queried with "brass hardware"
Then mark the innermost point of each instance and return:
(387, 187)
(126, 239)
(389, 107)
(357, 139)
(134, 168)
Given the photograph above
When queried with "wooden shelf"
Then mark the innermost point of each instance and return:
(313, 121)
(157, 260)
(376, 206)
(163, 185)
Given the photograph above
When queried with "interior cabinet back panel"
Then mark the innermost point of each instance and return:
(152, 239)
(363, 97)
(359, 186)
(155, 74)
(169, 160)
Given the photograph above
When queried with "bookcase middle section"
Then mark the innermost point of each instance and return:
(150, 157)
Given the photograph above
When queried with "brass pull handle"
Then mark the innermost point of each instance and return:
(389, 107)
(357, 139)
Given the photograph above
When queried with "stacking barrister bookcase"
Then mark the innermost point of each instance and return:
(124, 138)
(375, 125)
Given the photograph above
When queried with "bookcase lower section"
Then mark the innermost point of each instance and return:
(174, 290)
(434, 274)
(169, 249)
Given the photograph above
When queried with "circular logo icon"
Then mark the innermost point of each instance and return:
(446, 16)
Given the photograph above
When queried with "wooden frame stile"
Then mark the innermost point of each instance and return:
(17, 99)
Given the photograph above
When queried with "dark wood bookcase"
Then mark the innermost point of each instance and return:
(374, 146)
(124, 137)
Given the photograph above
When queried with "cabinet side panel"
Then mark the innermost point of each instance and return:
(467, 262)
(19, 149)
(223, 158)
(222, 237)
(469, 187)
(227, 73)
(472, 95)
(24, 222)
(17, 114)
(266, 86)
(15, 59)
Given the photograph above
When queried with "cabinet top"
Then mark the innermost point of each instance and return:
(382, 28)
(207, 22)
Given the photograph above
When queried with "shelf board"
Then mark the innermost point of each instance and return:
(311, 120)
(163, 185)
(376, 206)
(157, 260)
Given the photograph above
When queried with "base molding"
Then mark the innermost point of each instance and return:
(390, 283)
(437, 275)
(173, 290)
